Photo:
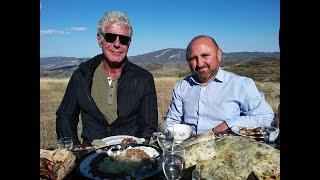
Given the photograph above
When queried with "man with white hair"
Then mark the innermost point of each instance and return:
(113, 95)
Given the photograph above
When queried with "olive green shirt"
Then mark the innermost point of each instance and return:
(105, 95)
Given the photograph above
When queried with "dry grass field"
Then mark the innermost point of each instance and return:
(52, 91)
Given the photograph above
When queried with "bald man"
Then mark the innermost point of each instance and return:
(212, 98)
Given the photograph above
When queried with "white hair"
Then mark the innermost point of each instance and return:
(114, 17)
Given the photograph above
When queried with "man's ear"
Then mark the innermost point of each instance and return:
(219, 54)
(99, 38)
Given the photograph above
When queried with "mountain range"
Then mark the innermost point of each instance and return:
(165, 62)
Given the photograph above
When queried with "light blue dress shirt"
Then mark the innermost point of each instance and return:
(229, 98)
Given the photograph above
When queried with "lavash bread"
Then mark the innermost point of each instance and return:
(199, 148)
(199, 152)
(67, 159)
(237, 157)
(205, 136)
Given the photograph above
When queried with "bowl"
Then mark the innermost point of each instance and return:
(180, 132)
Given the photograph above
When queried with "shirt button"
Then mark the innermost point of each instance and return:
(111, 86)
(110, 95)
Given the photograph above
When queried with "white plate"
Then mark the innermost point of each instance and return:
(112, 140)
(236, 129)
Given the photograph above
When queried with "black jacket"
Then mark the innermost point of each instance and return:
(136, 98)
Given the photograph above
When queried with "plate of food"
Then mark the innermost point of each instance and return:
(133, 162)
(124, 139)
(249, 131)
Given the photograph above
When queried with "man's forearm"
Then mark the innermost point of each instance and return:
(220, 128)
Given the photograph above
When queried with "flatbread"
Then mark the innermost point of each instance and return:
(199, 148)
(237, 157)
(205, 136)
(199, 152)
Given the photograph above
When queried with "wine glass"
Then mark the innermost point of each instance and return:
(174, 149)
(169, 128)
(172, 166)
(155, 134)
(65, 143)
(173, 162)
(165, 139)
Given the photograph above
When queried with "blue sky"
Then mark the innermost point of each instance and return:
(68, 27)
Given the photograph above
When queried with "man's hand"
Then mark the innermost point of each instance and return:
(220, 128)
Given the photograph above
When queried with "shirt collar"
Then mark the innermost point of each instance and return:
(219, 77)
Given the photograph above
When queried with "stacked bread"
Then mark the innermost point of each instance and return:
(57, 163)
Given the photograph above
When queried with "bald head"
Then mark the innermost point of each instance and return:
(204, 57)
(214, 43)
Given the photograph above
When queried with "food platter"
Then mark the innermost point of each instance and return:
(133, 162)
(249, 131)
(112, 140)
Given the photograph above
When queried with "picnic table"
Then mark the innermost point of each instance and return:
(80, 155)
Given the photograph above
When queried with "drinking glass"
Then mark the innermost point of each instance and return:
(169, 128)
(65, 143)
(173, 162)
(172, 166)
(155, 136)
(174, 149)
(271, 133)
(157, 133)
(165, 140)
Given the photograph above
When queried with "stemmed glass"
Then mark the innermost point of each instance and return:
(173, 162)
(165, 138)
(65, 143)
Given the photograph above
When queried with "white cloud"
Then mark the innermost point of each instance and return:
(51, 32)
(78, 29)
(40, 6)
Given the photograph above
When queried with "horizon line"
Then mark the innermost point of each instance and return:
(165, 49)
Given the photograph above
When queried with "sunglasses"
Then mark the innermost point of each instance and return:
(110, 38)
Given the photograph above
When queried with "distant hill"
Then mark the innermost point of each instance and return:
(165, 62)
(60, 60)
(175, 54)
(259, 69)
(164, 55)
(59, 66)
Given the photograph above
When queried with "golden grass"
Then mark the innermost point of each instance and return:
(52, 91)
(164, 94)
